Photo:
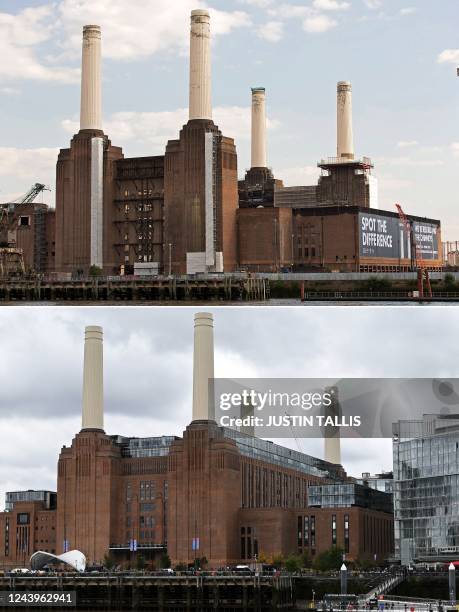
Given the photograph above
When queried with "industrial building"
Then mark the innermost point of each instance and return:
(27, 235)
(334, 226)
(186, 211)
(214, 492)
(177, 210)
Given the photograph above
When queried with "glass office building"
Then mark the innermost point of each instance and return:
(48, 498)
(346, 495)
(426, 489)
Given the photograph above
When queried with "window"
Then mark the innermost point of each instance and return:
(147, 507)
(346, 533)
(313, 531)
(333, 529)
(23, 518)
(306, 531)
(24, 221)
(300, 531)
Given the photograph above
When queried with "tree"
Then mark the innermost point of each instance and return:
(292, 563)
(277, 560)
(165, 561)
(330, 559)
(140, 562)
(109, 561)
(305, 559)
(449, 282)
(181, 566)
(95, 271)
(262, 557)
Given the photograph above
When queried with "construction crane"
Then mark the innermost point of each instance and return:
(8, 210)
(424, 286)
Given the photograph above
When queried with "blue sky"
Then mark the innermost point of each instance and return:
(400, 55)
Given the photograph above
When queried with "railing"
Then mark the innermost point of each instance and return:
(387, 585)
(366, 161)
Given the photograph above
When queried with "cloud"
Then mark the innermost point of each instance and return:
(330, 5)
(20, 36)
(154, 129)
(27, 163)
(455, 149)
(404, 144)
(271, 31)
(449, 56)
(21, 168)
(258, 3)
(373, 4)
(299, 175)
(148, 369)
(290, 11)
(407, 161)
(10, 91)
(412, 162)
(154, 26)
(318, 24)
(409, 10)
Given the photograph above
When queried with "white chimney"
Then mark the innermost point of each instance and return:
(91, 80)
(93, 379)
(200, 73)
(344, 121)
(333, 450)
(258, 128)
(203, 365)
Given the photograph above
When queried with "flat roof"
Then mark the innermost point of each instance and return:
(337, 209)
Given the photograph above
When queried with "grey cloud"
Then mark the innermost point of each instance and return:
(148, 368)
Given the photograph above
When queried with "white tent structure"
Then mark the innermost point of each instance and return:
(73, 558)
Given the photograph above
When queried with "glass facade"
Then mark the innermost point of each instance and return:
(381, 482)
(346, 495)
(47, 497)
(264, 450)
(248, 445)
(426, 489)
(144, 447)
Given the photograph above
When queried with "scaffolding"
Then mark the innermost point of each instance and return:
(11, 262)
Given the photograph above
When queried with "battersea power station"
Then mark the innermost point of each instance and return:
(187, 212)
(215, 492)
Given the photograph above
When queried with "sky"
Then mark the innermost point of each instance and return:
(148, 370)
(400, 55)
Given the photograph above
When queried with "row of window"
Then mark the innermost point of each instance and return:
(264, 488)
(307, 532)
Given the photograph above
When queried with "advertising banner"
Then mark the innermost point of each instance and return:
(426, 239)
(382, 236)
(385, 237)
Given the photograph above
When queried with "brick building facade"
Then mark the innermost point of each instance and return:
(29, 526)
(213, 493)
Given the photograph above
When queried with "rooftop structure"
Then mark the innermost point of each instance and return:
(48, 498)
